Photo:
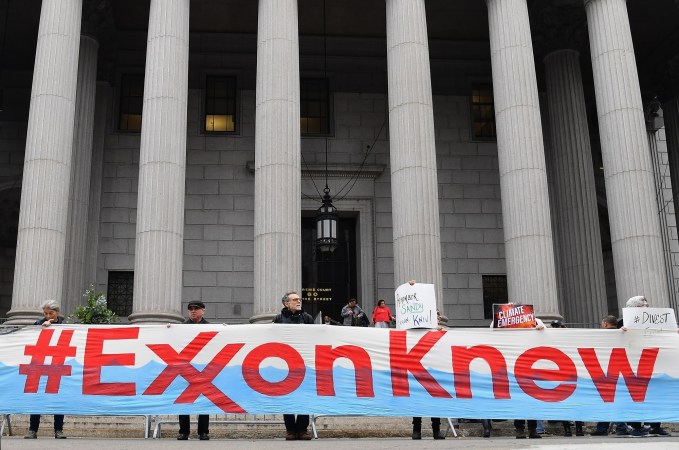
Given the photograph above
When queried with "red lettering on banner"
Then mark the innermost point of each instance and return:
(296, 369)
(618, 364)
(95, 359)
(462, 358)
(325, 359)
(403, 361)
(526, 374)
(52, 371)
(179, 364)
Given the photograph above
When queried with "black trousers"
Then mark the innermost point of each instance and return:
(298, 425)
(58, 422)
(435, 422)
(203, 424)
(520, 424)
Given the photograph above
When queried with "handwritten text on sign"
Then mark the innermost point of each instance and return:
(415, 306)
(649, 318)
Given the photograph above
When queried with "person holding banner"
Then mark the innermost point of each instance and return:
(196, 311)
(435, 421)
(382, 316)
(292, 313)
(517, 316)
(609, 323)
(567, 423)
(640, 301)
(50, 311)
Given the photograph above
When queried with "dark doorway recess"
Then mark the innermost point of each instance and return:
(328, 279)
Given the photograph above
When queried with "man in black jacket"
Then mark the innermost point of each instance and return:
(196, 311)
(292, 313)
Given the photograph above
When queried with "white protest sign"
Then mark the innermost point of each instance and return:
(415, 306)
(649, 318)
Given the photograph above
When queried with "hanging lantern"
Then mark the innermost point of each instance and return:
(326, 224)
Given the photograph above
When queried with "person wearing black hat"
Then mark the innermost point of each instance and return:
(196, 311)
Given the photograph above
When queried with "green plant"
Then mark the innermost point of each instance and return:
(95, 310)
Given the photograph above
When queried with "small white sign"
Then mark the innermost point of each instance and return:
(649, 318)
(416, 306)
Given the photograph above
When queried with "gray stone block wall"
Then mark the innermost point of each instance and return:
(471, 220)
(219, 211)
(667, 210)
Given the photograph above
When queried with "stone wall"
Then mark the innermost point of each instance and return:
(666, 212)
(219, 214)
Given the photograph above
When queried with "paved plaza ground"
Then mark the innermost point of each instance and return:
(551, 443)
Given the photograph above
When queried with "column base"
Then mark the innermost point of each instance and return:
(263, 318)
(154, 317)
(548, 317)
(22, 316)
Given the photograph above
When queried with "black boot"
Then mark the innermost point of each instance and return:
(486, 427)
(533, 434)
(417, 431)
(436, 430)
(578, 429)
(567, 429)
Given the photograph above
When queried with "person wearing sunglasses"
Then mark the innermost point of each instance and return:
(292, 313)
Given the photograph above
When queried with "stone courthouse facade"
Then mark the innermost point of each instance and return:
(169, 151)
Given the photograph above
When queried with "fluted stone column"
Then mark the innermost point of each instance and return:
(628, 170)
(414, 188)
(577, 234)
(76, 230)
(162, 166)
(665, 186)
(670, 109)
(278, 226)
(551, 176)
(39, 266)
(101, 109)
(523, 181)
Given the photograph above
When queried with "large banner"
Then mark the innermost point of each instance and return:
(593, 375)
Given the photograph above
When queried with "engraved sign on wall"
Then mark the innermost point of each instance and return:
(317, 294)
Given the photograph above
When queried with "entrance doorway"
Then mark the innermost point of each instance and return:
(328, 279)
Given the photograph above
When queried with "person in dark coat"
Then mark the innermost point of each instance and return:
(640, 301)
(196, 312)
(296, 428)
(50, 311)
(435, 421)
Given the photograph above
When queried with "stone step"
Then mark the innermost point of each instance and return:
(327, 426)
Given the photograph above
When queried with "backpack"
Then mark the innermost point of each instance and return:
(363, 321)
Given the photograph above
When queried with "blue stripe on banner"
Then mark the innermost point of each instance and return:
(592, 375)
